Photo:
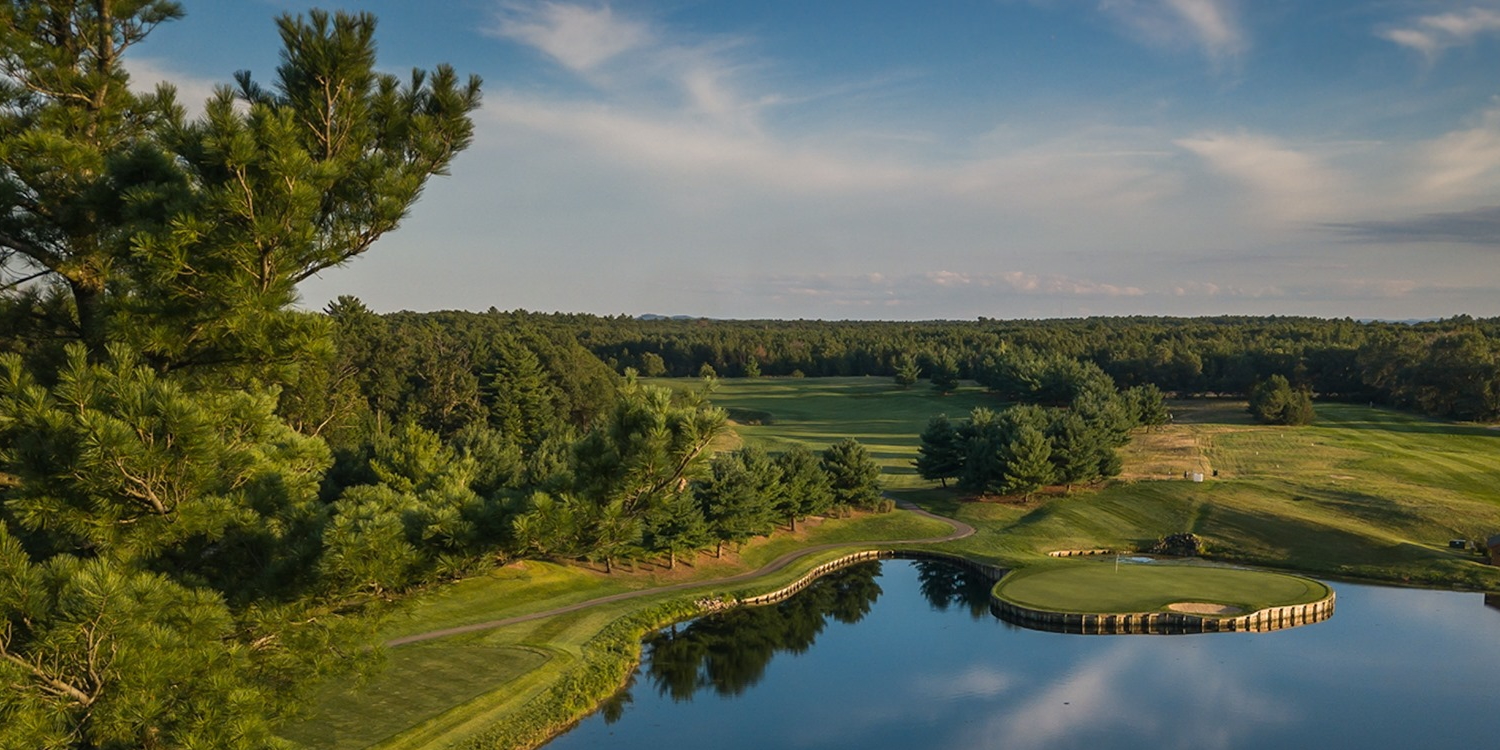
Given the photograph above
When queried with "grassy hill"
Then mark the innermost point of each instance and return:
(1363, 492)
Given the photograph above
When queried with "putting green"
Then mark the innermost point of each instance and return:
(1102, 587)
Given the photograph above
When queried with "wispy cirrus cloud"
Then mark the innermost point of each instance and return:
(1214, 27)
(637, 58)
(1432, 35)
(578, 37)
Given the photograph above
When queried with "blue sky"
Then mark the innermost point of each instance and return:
(947, 159)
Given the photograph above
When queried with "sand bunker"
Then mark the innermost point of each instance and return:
(1204, 608)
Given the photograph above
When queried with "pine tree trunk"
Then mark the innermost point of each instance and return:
(794, 523)
(719, 550)
(671, 559)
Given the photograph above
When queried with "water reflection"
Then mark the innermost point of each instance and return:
(946, 585)
(728, 653)
(1397, 668)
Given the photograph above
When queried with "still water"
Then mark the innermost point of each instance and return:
(906, 654)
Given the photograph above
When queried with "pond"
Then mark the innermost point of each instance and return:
(905, 654)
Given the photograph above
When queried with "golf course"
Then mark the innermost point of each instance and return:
(1363, 493)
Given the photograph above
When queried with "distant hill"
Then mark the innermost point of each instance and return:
(654, 316)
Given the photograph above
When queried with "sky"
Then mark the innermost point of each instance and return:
(901, 160)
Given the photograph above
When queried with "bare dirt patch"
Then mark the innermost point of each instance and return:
(1204, 608)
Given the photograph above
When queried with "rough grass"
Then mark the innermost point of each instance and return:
(1103, 587)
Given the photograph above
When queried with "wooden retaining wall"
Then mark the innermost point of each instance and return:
(1080, 552)
(1165, 623)
(992, 572)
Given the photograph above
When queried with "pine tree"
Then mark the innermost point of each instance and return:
(807, 492)
(675, 527)
(1075, 450)
(649, 447)
(1027, 464)
(944, 373)
(735, 509)
(1274, 401)
(852, 474)
(192, 236)
(907, 371)
(170, 590)
(941, 453)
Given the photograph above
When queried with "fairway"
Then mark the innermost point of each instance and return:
(1103, 587)
(775, 413)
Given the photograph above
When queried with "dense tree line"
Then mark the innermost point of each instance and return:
(727, 499)
(1446, 368)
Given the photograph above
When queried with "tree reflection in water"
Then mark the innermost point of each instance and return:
(947, 585)
(729, 652)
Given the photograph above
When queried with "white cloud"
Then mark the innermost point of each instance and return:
(1463, 163)
(667, 143)
(638, 60)
(192, 91)
(1435, 34)
(580, 38)
(1213, 26)
(1288, 184)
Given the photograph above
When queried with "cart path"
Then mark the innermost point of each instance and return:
(960, 530)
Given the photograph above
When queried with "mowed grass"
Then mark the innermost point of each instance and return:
(1103, 587)
(817, 412)
(1364, 492)
(432, 693)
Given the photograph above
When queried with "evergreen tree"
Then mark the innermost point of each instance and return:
(95, 655)
(1273, 401)
(1148, 406)
(767, 480)
(807, 491)
(907, 371)
(1076, 451)
(1027, 462)
(853, 476)
(734, 507)
(676, 527)
(980, 438)
(944, 373)
(193, 236)
(168, 576)
(941, 453)
(649, 447)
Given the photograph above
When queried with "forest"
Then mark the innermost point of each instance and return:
(210, 496)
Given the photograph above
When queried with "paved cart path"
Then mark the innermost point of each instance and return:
(960, 530)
